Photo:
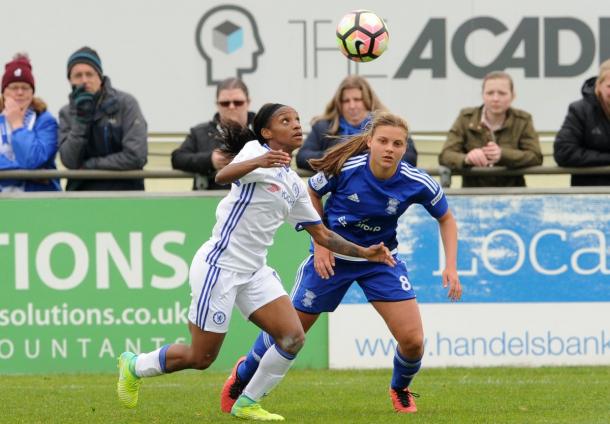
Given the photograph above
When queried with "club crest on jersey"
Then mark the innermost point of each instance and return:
(318, 181)
(219, 317)
(308, 298)
(392, 207)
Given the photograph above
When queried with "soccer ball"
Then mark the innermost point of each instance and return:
(362, 36)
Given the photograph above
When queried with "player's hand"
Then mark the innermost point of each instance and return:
(451, 280)
(323, 261)
(379, 253)
(476, 157)
(274, 159)
(83, 104)
(220, 159)
(493, 152)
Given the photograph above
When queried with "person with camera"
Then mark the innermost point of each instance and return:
(101, 127)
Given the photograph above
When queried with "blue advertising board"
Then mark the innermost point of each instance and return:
(512, 248)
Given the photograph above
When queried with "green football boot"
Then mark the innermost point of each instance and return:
(128, 385)
(247, 409)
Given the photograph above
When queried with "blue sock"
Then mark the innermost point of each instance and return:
(246, 369)
(404, 370)
(162, 358)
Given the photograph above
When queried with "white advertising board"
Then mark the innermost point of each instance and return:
(169, 54)
(475, 335)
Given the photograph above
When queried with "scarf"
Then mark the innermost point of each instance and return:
(6, 147)
(345, 128)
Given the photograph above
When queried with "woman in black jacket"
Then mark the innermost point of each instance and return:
(584, 137)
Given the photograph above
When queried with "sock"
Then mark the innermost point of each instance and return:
(247, 368)
(273, 367)
(151, 364)
(404, 370)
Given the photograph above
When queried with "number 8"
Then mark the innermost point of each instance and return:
(406, 285)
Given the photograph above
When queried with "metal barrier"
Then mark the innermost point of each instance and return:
(443, 172)
(421, 138)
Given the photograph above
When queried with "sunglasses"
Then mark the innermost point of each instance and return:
(236, 103)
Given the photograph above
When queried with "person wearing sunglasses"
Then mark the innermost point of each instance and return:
(200, 152)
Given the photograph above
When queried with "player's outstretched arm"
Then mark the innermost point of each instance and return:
(323, 259)
(336, 243)
(448, 229)
(234, 171)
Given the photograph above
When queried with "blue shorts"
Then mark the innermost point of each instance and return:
(378, 281)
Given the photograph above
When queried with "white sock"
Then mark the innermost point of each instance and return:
(272, 368)
(149, 364)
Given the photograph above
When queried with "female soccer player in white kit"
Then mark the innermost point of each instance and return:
(370, 188)
(230, 268)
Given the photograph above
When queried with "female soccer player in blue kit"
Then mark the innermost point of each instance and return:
(230, 268)
(370, 188)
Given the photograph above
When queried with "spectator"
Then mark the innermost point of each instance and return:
(492, 134)
(200, 152)
(28, 130)
(101, 127)
(348, 113)
(584, 137)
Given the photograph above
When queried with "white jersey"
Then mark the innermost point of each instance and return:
(248, 217)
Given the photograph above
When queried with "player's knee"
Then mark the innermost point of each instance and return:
(292, 343)
(202, 361)
(413, 347)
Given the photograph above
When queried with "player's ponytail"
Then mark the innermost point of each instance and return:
(234, 136)
(333, 160)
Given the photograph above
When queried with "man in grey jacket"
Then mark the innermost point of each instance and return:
(101, 127)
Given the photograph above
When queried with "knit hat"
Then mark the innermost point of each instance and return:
(88, 56)
(18, 70)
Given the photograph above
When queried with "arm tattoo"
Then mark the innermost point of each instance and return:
(338, 244)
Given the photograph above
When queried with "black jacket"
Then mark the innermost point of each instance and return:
(584, 137)
(318, 141)
(195, 153)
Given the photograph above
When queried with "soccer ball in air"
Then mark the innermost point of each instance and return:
(362, 36)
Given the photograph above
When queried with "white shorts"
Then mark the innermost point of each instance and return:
(214, 291)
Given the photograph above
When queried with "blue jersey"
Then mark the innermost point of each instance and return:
(365, 210)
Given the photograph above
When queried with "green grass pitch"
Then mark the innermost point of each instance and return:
(453, 395)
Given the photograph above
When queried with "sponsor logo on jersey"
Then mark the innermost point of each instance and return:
(366, 227)
(318, 181)
(354, 197)
(308, 298)
(219, 317)
(392, 207)
(288, 198)
(342, 221)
